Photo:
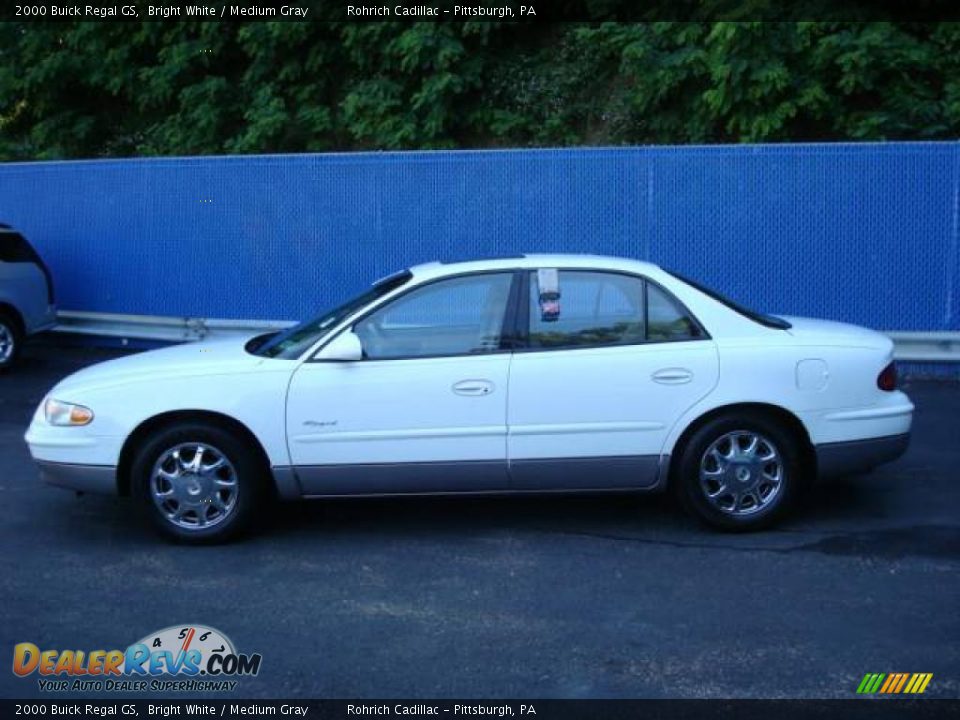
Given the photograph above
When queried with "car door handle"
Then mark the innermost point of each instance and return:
(672, 376)
(473, 387)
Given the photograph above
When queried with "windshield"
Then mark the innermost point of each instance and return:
(291, 344)
(770, 321)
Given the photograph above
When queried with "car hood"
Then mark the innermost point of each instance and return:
(829, 332)
(206, 357)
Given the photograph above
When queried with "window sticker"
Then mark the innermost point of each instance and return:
(548, 289)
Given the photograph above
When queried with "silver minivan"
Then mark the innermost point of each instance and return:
(26, 294)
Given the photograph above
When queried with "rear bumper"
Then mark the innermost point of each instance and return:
(99, 479)
(42, 322)
(856, 456)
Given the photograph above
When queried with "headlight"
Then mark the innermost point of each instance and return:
(66, 414)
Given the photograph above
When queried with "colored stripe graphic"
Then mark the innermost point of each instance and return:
(871, 683)
(894, 683)
(903, 681)
(918, 683)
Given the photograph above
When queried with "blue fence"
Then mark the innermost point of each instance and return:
(866, 233)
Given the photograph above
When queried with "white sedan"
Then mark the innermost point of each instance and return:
(537, 373)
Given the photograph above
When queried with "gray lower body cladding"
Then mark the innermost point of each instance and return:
(597, 474)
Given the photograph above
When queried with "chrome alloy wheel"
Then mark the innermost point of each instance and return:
(194, 485)
(7, 343)
(741, 473)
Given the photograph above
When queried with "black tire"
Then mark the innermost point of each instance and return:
(10, 328)
(248, 471)
(746, 515)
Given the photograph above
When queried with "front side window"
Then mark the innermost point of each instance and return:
(292, 343)
(573, 308)
(459, 316)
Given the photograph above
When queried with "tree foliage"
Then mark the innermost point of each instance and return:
(114, 89)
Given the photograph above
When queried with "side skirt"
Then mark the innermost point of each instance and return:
(642, 473)
(605, 473)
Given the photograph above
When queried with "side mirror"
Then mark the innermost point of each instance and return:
(345, 347)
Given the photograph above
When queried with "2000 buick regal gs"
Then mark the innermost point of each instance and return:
(515, 375)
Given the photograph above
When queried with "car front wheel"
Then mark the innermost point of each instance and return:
(198, 483)
(739, 472)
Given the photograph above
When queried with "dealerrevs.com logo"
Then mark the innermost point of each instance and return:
(199, 658)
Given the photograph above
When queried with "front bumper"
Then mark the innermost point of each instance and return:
(856, 456)
(99, 479)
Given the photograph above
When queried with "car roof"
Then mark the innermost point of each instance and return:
(532, 261)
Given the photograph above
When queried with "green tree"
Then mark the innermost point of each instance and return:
(70, 90)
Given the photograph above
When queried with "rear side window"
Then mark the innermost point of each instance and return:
(14, 248)
(571, 308)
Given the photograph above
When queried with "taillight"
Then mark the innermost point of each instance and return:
(887, 379)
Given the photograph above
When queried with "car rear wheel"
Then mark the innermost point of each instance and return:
(10, 341)
(198, 483)
(739, 472)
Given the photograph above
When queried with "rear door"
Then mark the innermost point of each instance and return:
(611, 362)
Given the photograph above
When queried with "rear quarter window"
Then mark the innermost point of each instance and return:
(666, 319)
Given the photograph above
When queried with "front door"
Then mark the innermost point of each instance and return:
(612, 361)
(424, 411)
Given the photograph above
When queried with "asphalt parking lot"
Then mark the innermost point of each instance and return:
(532, 598)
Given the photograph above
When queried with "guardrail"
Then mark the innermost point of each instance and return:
(927, 347)
(156, 327)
